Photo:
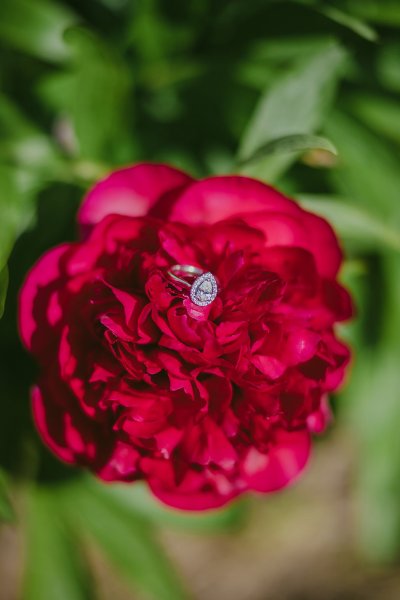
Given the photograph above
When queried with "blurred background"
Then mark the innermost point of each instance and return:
(303, 94)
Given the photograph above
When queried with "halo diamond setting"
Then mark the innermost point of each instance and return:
(204, 290)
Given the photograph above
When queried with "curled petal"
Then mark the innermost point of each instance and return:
(302, 230)
(38, 309)
(121, 465)
(217, 198)
(319, 420)
(131, 191)
(287, 457)
(65, 429)
(327, 252)
(51, 425)
(195, 491)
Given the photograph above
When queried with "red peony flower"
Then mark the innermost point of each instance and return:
(138, 382)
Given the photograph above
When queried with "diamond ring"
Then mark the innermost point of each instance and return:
(203, 285)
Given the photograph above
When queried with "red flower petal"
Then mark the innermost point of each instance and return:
(302, 230)
(36, 310)
(217, 198)
(65, 429)
(122, 465)
(328, 254)
(195, 492)
(131, 191)
(287, 457)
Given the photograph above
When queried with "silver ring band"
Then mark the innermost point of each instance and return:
(178, 272)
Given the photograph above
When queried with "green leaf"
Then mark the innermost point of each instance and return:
(24, 145)
(3, 288)
(95, 94)
(279, 50)
(36, 27)
(53, 567)
(380, 113)
(350, 21)
(383, 12)
(375, 406)
(126, 538)
(288, 144)
(17, 190)
(373, 414)
(6, 511)
(296, 104)
(388, 65)
(354, 223)
(368, 171)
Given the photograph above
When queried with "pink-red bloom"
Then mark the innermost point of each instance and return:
(136, 382)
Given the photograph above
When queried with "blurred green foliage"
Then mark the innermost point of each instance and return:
(270, 88)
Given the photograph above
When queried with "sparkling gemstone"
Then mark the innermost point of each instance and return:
(204, 290)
